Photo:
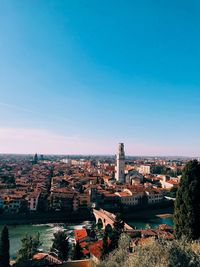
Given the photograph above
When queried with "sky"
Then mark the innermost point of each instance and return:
(78, 77)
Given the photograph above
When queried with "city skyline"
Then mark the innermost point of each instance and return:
(78, 78)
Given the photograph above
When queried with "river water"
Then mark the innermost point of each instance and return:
(47, 230)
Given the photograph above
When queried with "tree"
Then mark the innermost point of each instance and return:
(119, 256)
(35, 159)
(105, 246)
(172, 192)
(92, 233)
(4, 248)
(118, 227)
(78, 252)
(30, 245)
(155, 252)
(61, 245)
(187, 204)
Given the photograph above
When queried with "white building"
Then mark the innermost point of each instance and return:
(120, 168)
(67, 161)
(33, 199)
(130, 198)
(154, 196)
(169, 183)
(145, 169)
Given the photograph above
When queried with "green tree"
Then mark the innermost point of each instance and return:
(119, 256)
(35, 159)
(4, 248)
(105, 246)
(118, 228)
(93, 231)
(61, 245)
(78, 252)
(187, 204)
(30, 245)
(154, 253)
(172, 192)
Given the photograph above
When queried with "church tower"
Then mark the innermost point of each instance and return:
(120, 177)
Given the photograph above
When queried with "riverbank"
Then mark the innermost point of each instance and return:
(139, 212)
(46, 231)
(46, 217)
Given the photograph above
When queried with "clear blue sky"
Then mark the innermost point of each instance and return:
(81, 76)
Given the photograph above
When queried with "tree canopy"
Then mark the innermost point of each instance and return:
(78, 252)
(4, 248)
(61, 245)
(187, 204)
(118, 228)
(30, 245)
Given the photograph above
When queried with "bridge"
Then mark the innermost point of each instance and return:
(107, 219)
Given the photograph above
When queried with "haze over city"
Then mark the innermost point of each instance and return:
(79, 77)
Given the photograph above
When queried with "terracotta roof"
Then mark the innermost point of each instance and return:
(80, 234)
(172, 182)
(95, 248)
(39, 256)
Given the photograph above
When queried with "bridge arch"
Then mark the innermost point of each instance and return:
(100, 223)
(107, 218)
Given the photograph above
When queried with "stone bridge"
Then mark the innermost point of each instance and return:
(107, 219)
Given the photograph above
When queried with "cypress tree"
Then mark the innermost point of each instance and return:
(118, 228)
(78, 252)
(4, 248)
(35, 159)
(61, 244)
(187, 204)
(105, 246)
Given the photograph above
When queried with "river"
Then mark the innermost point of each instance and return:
(47, 230)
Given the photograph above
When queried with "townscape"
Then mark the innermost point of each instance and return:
(40, 184)
(66, 189)
(99, 133)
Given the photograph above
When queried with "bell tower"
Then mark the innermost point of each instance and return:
(119, 176)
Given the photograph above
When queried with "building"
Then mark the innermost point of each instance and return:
(145, 169)
(120, 175)
(33, 199)
(169, 183)
(154, 196)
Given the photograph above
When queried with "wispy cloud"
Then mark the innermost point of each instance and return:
(16, 107)
(24, 109)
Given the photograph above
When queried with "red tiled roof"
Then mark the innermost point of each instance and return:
(80, 234)
(95, 248)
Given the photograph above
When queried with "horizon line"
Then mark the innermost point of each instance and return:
(107, 155)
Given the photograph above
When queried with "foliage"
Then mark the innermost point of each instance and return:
(156, 253)
(172, 192)
(118, 257)
(105, 246)
(35, 159)
(92, 232)
(187, 204)
(78, 252)
(30, 245)
(157, 169)
(4, 248)
(118, 227)
(8, 179)
(61, 245)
